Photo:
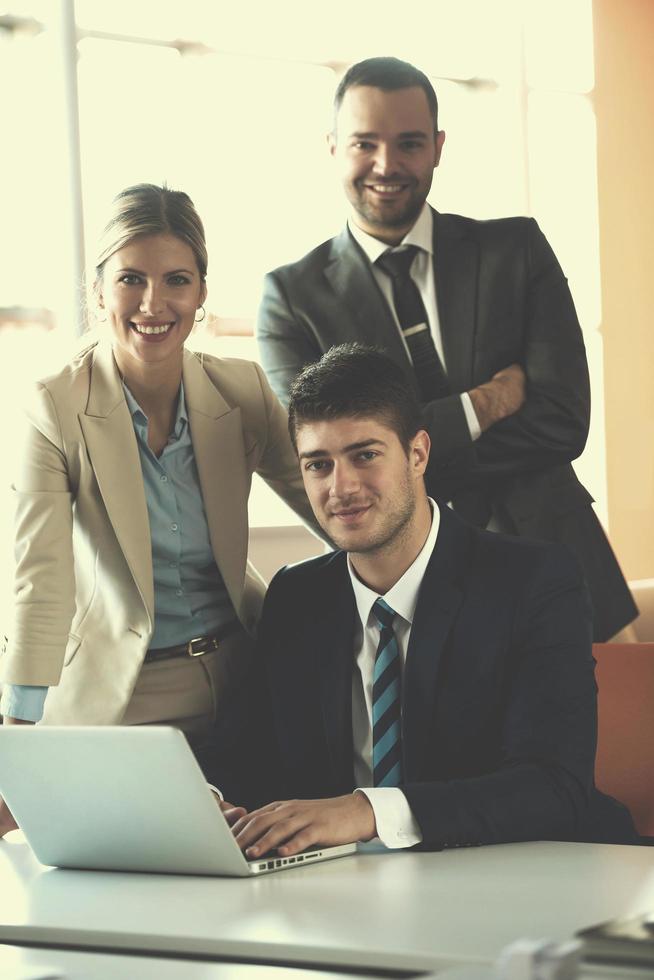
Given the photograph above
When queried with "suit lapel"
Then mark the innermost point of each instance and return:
(457, 267)
(350, 276)
(111, 444)
(456, 270)
(439, 600)
(311, 681)
(219, 452)
(333, 648)
(331, 639)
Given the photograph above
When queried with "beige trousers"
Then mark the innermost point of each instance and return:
(189, 692)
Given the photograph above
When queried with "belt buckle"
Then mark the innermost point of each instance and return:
(195, 653)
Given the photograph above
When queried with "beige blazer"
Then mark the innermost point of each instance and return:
(84, 594)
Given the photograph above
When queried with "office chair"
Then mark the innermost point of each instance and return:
(624, 766)
(643, 593)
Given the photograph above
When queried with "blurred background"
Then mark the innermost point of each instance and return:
(547, 106)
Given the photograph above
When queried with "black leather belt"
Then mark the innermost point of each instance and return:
(193, 648)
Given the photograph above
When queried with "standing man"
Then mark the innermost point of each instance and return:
(477, 313)
(429, 682)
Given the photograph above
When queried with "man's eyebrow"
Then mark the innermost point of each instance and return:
(411, 134)
(352, 447)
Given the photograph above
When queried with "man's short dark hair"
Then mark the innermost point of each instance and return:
(353, 380)
(388, 74)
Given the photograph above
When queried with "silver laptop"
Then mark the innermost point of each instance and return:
(123, 799)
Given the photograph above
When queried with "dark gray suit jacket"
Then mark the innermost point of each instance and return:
(502, 299)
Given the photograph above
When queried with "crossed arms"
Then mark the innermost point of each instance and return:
(533, 409)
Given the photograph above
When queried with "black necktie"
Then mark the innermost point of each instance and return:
(411, 313)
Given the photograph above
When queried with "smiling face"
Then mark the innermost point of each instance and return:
(386, 150)
(150, 291)
(366, 491)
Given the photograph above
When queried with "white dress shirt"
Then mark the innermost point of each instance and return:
(422, 273)
(396, 825)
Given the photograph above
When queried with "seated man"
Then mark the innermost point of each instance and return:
(429, 682)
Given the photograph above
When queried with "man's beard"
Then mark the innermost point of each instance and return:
(391, 530)
(375, 216)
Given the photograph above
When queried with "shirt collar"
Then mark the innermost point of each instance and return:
(403, 596)
(140, 418)
(421, 234)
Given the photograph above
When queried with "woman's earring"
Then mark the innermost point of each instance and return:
(200, 318)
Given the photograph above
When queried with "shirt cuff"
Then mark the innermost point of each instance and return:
(396, 825)
(471, 415)
(22, 701)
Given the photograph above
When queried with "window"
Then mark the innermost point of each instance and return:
(232, 105)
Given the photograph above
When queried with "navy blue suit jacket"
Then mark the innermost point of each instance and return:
(499, 696)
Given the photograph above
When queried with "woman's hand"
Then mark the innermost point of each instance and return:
(7, 822)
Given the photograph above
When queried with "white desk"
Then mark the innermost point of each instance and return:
(20, 964)
(52, 964)
(377, 911)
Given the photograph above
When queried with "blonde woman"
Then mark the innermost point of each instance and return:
(134, 600)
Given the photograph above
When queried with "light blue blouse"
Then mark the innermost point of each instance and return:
(190, 598)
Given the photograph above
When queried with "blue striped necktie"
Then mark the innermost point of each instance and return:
(386, 702)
